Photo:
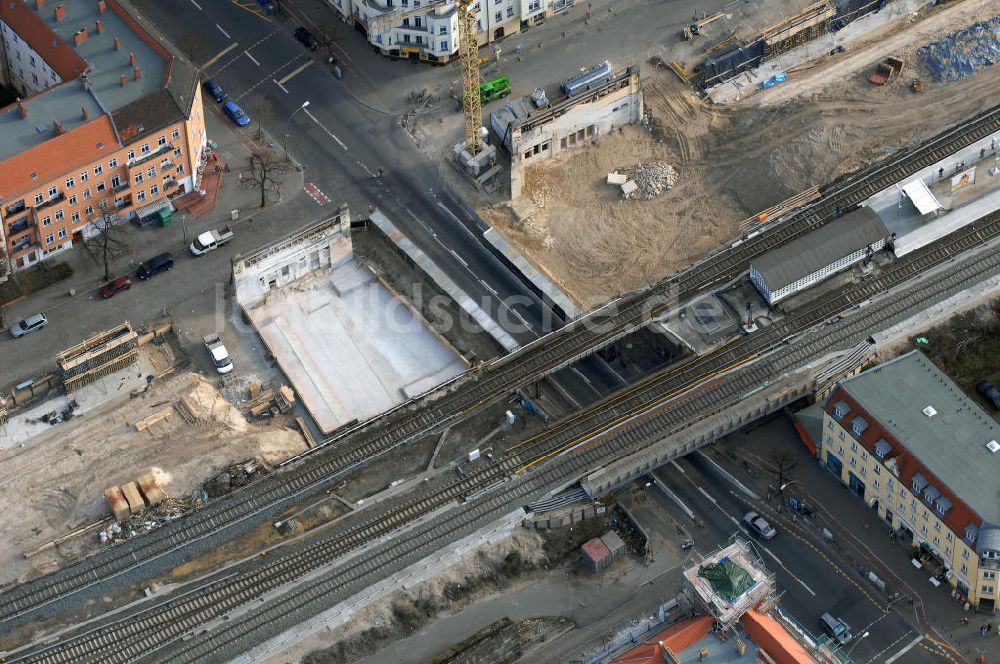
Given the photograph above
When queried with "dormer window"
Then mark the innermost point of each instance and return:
(841, 409)
(971, 532)
(882, 448)
(919, 483)
(858, 426)
(942, 505)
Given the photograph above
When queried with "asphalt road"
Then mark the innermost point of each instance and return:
(811, 583)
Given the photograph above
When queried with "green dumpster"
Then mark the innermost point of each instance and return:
(165, 218)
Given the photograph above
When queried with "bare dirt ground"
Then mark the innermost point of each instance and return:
(733, 161)
(57, 481)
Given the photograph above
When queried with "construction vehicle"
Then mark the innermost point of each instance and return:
(468, 50)
(220, 356)
(489, 91)
(888, 70)
(689, 32)
(210, 241)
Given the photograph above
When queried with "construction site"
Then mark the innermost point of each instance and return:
(729, 160)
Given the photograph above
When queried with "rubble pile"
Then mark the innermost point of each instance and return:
(653, 178)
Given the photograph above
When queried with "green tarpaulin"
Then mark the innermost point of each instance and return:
(728, 579)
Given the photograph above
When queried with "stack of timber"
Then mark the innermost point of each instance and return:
(98, 356)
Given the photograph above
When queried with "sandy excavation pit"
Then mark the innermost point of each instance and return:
(57, 481)
(732, 162)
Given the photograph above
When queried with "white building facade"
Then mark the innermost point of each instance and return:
(433, 36)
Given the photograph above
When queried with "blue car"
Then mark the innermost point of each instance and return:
(236, 114)
(216, 91)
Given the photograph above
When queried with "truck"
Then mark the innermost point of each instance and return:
(210, 241)
(489, 91)
(220, 356)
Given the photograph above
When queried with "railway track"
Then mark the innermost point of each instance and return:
(381, 435)
(132, 638)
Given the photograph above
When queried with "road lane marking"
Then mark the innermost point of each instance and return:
(196, 5)
(677, 466)
(252, 59)
(729, 476)
(278, 83)
(334, 137)
(709, 496)
(788, 571)
(303, 67)
(223, 31)
(907, 648)
(219, 55)
(458, 258)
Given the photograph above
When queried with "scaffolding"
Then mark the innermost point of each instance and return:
(758, 585)
(98, 356)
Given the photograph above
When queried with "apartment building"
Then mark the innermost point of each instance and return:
(926, 458)
(433, 36)
(109, 124)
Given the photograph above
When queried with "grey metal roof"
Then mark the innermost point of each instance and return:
(952, 444)
(106, 65)
(989, 539)
(825, 245)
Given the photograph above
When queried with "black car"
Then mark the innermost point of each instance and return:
(306, 38)
(214, 89)
(989, 392)
(155, 265)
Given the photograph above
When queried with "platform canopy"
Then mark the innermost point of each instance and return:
(922, 198)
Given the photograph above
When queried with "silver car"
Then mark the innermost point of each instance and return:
(756, 524)
(28, 325)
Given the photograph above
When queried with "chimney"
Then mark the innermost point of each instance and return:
(123, 79)
(137, 72)
(58, 127)
(80, 36)
(99, 26)
(131, 59)
(39, 3)
(118, 44)
(84, 113)
(60, 11)
(101, 6)
(21, 108)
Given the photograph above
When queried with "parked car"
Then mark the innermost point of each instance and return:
(236, 114)
(756, 524)
(306, 38)
(214, 89)
(836, 628)
(28, 325)
(989, 392)
(210, 241)
(155, 265)
(115, 286)
(220, 356)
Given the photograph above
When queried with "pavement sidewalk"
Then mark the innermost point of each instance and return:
(861, 535)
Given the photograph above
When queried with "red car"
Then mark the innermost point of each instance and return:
(116, 286)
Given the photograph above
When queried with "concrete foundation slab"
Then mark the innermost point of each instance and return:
(349, 348)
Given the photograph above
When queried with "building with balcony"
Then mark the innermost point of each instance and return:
(433, 36)
(926, 458)
(108, 121)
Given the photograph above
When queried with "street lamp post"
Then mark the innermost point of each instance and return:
(288, 121)
(781, 489)
(860, 638)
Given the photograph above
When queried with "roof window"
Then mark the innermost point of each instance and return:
(929, 411)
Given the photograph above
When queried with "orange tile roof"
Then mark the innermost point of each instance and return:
(677, 637)
(775, 640)
(59, 55)
(56, 156)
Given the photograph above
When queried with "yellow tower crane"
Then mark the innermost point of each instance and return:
(468, 52)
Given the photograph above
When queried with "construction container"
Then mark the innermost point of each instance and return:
(134, 498)
(151, 489)
(117, 503)
(614, 543)
(596, 555)
(594, 77)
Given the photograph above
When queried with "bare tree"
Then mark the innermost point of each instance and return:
(107, 242)
(782, 465)
(4, 264)
(328, 28)
(261, 110)
(267, 172)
